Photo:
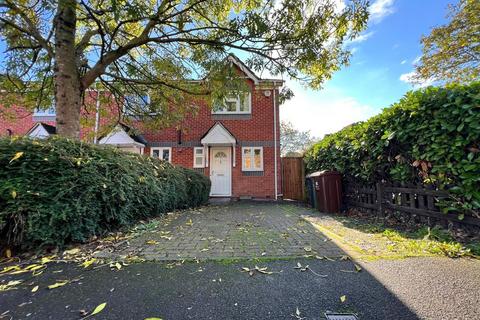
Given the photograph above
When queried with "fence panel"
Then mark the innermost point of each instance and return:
(293, 177)
(380, 199)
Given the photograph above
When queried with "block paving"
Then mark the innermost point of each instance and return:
(230, 231)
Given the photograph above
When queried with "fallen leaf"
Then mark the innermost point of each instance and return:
(14, 194)
(58, 284)
(88, 263)
(71, 251)
(153, 319)
(343, 298)
(8, 269)
(358, 268)
(8, 253)
(16, 156)
(35, 289)
(45, 260)
(343, 258)
(99, 308)
(151, 242)
(307, 249)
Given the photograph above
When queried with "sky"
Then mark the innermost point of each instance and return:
(379, 70)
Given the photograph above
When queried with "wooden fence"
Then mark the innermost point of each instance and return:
(293, 178)
(382, 199)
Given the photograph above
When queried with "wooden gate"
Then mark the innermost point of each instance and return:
(293, 177)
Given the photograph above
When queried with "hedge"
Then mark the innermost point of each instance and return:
(58, 190)
(430, 137)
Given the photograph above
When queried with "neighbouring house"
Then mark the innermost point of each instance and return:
(237, 145)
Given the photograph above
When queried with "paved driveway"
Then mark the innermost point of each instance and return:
(237, 230)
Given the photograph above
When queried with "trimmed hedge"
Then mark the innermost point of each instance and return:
(58, 190)
(430, 137)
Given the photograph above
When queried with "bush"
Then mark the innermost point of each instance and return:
(57, 190)
(430, 136)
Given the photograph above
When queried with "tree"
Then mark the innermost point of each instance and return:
(293, 141)
(451, 53)
(58, 49)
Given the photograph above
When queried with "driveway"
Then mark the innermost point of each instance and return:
(237, 230)
(263, 262)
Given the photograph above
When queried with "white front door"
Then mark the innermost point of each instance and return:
(221, 171)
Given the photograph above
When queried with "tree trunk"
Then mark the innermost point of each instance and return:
(68, 87)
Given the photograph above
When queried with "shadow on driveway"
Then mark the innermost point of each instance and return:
(219, 289)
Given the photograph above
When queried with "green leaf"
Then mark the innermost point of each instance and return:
(99, 308)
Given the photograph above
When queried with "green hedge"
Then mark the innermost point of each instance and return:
(60, 190)
(431, 136)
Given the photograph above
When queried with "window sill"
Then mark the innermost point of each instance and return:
(231, 116)
(252, 173)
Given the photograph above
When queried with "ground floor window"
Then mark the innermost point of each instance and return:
(198, 157)
(252, 159)
(163, 153)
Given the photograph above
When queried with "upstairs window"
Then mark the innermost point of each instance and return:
(136, 105)
(235, 104)
(252, 159)
(198, 157)
(162, 153)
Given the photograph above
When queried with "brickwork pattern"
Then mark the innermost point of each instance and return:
(239, 230)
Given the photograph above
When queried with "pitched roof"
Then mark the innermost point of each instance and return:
(131, 132)
(218, 134)
(47, 127)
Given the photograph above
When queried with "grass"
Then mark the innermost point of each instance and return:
(370, 241)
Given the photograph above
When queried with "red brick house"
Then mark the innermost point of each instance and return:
(237, 145)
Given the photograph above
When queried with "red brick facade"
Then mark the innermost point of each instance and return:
(255, 129)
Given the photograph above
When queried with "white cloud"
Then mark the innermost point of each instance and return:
(380, 9)
(403, 62)
(324, 111)
(362, 37)
(417, 84)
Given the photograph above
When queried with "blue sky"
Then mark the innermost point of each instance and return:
(382, 60)
(377, 75)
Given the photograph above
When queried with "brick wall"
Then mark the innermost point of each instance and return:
(249, 130)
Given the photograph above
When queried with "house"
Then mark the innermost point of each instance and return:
(237, 145)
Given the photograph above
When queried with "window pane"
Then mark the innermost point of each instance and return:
(244, 103)
(247, 152)
(231, 105)
(247, 162)
(199, 151)
(156, 153)
(199, 161)
(165, 154)
(258, 158)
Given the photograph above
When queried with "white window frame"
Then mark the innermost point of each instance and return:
(252, 155)
(195, 156)
(238, 101)
(160, 152)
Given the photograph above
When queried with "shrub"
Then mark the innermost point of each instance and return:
(431, 136)
(58, 190)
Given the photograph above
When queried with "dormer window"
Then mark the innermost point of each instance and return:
(235, 105)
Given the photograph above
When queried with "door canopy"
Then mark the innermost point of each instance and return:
(218, 135)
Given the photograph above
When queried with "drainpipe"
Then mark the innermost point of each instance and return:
(97, 115)
(275, 140)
